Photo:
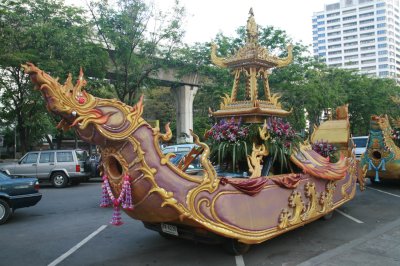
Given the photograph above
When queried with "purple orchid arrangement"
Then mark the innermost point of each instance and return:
(325, 149)
(228, 130)
(281, 131)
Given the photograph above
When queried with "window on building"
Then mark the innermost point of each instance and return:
(333, 14)
(351, 50)
(321, 29)
(367, 21)
(380, 4)
(383, 73)
(350, 43)
(321, 41)
(334, 52)
(363, 35)
(320, 16)
(367, 28)
(369, 61)
(335, 65)
(349, 17)
(334, 33)
(382, 45)
(334, 46)
(322, 54)
(380, 18)
(368, 54)
(348, 57)
(381, 25)
(379, 32)
(383, 59)
(365, 8)
(368, 68)
(381, 39)
(333, 27)
(350, 37)
(382, 11)
(367, 41)
(322, 48)
(335, 39)
(366, 48)
(351, 63)
(350, 30)
(321, 35)
(348, 11)
(345, 25)
(335, 59)
(321, 22)
(333, 20)
(382, 52)
(369, 14)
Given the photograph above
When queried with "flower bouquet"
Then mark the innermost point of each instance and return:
(228, 143)
(326, 150)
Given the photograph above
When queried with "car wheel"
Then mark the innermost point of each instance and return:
(5, 211)
(327, 216)
(59, 180)
(167, 236)
(234, 247)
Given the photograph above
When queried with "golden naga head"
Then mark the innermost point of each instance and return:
(69, 101)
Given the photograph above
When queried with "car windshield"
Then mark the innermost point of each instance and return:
(360, 142)
(82, 156)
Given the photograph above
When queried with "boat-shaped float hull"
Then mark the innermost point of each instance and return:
(382, 156)
(143, 181)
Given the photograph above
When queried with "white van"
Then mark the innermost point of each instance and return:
(361, 145)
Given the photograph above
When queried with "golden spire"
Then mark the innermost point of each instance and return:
(251, 63)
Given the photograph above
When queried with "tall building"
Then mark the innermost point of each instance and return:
(363, 35)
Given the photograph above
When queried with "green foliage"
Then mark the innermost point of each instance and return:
(54, 37)
(159, 105)
(139, 40)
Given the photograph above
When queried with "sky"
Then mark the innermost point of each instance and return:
(205, 18)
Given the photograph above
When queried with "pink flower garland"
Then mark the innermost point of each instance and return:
(124, 198)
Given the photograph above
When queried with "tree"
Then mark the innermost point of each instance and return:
(139, 41)
(51, 35)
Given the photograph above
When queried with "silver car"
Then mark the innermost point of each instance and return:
(60, 167)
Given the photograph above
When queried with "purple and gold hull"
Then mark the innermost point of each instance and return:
(249, 210)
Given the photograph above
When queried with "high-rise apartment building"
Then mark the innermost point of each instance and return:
(363, 35)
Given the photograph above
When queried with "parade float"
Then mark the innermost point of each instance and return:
(237, 211)
(382, 156)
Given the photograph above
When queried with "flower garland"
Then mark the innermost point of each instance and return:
(124, 199)
(381, 166)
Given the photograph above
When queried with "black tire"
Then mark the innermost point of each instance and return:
(5, 211)
(327, 216)
(167, 236)
(59, 180)
(234, 247)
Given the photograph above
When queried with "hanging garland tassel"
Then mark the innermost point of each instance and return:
(124, 199)
(381, 166)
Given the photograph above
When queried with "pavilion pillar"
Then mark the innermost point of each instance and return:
(184, 96)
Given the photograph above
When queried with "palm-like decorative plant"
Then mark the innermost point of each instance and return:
(228, 142)
(280, 142)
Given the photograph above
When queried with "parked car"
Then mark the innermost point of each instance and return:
(17, 193)
(178, 148)
(93, 164)
(361, 145)
(60, 167)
